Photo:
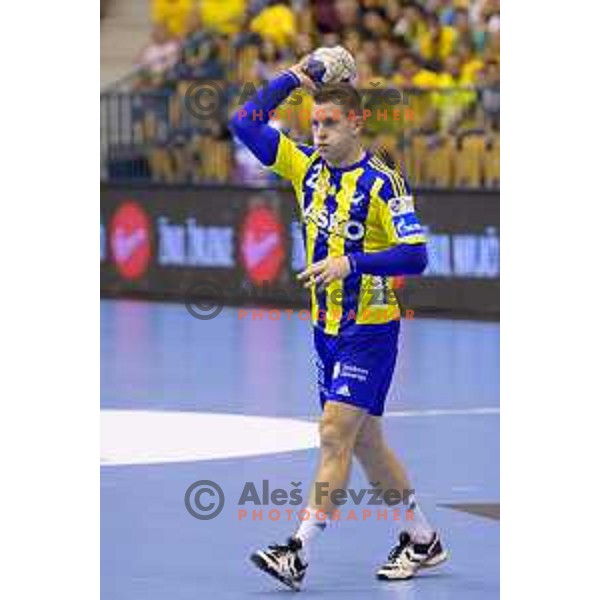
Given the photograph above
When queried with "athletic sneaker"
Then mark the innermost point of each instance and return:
(407, 557)
(283, 562)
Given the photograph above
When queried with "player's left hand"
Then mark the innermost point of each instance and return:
(325, 271)
(299, 69)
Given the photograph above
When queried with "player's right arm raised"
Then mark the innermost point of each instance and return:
(250, 124)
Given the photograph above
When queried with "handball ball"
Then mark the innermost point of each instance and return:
(331, 65)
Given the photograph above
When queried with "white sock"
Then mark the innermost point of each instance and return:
(418, 527)
(309, 529)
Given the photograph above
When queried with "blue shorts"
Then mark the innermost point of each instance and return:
(357, 367)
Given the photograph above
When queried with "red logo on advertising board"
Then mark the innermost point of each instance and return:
(398, 282)
(262, 244)
(130, 240)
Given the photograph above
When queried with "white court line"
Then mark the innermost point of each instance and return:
(130, 437)
(443, 412)
(435, 412)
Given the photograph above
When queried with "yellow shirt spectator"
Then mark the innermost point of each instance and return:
(276, 23)
(419, 104)
(454, 97)
(224, 16)
(173, 14)
(470, 70)
(421, 79)
(431, 48)
(446, 80)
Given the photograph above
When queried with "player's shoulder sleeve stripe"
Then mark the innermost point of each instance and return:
(396, 208)
(394, 185)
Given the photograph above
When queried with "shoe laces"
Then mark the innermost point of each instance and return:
(280, 548)
(396, 551)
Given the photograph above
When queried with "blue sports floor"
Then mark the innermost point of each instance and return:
(233, 401)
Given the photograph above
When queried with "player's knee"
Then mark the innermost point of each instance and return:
(335, 439)
(368, 443)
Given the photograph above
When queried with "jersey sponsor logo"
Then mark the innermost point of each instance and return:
(401, 205)
(354, 230)
(350, 229)
(403, 228)
(357, 198)
(349, 371)
(354, 372)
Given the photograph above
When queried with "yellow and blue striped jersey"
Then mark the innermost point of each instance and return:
(365, 207)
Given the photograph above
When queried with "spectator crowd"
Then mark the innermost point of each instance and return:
(444, 53)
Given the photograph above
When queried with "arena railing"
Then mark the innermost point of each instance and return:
(443, 138)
